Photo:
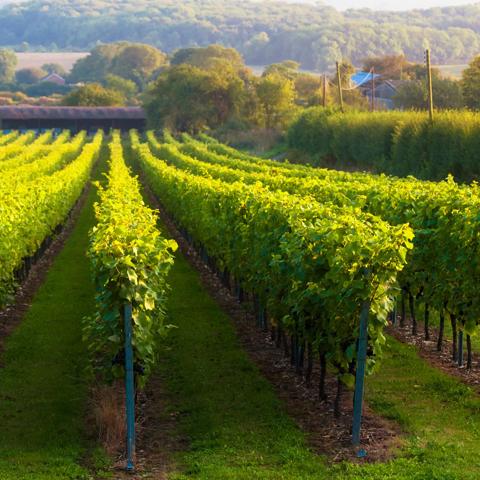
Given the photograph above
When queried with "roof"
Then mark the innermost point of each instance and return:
(398, 83)
(52, 76)
(359, 78)
(26, 112)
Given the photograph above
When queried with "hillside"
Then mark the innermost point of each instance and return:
(315, 35)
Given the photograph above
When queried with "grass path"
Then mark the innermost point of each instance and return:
(238, 428)
(43, 389)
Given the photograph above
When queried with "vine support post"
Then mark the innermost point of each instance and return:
(129, 387)
(393, 314)
(460, 348)
(429, 83)
(340, 93)
(360, 374)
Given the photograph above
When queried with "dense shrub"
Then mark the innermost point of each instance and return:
(400, 143)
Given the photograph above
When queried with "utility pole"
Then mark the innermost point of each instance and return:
(340, 94)
(373, 89)
(324, 90)
(429, 83)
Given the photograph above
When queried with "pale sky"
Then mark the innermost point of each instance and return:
(394, 4)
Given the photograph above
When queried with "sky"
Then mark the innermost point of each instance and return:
(393, 4)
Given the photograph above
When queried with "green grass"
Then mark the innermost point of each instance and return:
(279, 149)
(43, 386)
(237, 426)
(440, 415)
(238, 429)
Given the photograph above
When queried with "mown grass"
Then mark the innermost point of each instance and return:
(238, 429)
(43, 386)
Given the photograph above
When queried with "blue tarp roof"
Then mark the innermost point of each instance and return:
(359, 78)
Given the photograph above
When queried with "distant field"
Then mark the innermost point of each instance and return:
(452, 71)
(449, 71)
(67, 59)
(36, 60)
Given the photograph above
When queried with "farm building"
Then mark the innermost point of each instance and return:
(385, 90)
(71, 118)
(54, 78)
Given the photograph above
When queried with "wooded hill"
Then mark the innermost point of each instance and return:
(265, 32)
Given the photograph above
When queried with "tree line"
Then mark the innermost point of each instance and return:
(314, 35)
(210, 87)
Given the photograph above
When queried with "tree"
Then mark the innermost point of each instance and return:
(208, 57)
(8, 62)
(287, 69)
(308, 89)
(471, 84)
(126, 87)
(54, 68)
(132, 61)
(96, 66)
(137, 62)
(173, 100)
(187, 98)
(276, 95)
(391, 67)
(30, 76)
(307, 86)
(309, 32)
(417, 71)
(447, 94)
(255, 47)
(94, 95)
(411, 96)
(225, 91)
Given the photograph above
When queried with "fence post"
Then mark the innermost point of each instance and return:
(429, 83)
(129, 387)
(360, 374)
(340, 93)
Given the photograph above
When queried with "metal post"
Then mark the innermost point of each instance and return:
(429, 84)
(324, 91)
(129, 387)
(360, 374)
(460, 348)
(340, 93)
(393, 313)
(373, 90)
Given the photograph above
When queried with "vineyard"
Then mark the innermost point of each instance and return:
(349, 286)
